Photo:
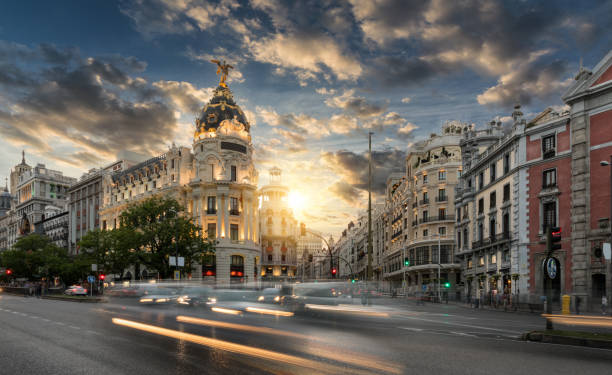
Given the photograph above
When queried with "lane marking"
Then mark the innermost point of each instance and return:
(74, 327)
(463, 325)
(412, 329)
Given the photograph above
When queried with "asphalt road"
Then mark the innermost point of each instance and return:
(41, 336)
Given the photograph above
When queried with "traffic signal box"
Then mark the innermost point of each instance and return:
(553, 239)
(406, 262)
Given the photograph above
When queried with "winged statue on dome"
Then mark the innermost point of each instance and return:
(223, 69)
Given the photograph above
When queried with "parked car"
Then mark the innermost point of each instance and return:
(76, 290)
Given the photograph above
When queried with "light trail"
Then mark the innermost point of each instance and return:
(346, 310)
(226, 311)
(317, 366)
(241, 327)
(269, 312)
(580, 320)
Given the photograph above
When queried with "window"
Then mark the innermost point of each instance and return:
(212, 205)
(442, 231)
(233, 173)
(441, 195)
(469, 183)
(506, 192)
(425, 198)
(549, 178)
(441, 175)
(459, 174)
(425, 233)
(459, 238)
(480, 180)
(442, 214)
(269, 257)
(481, 260)
(480, 232)
(506, 225)
(548, 146)
(425, 214)
(172, 164)
(237, 266)
(493, 258)
(481, 205)
(211, 231)
(424, 178)
(469, 263)
(492, 170)
(466, 238)
(234, 232)
(506, 163)
(234, 206)
(549, 214)
(492, 199)
(492, 228)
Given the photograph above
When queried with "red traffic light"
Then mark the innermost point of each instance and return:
(334, 271)
(556, 231)
(8, 272)
(102, 277)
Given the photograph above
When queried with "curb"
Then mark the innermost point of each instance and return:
(84, 300)
(565, 340)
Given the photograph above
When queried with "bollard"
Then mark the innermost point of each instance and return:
(565, 305)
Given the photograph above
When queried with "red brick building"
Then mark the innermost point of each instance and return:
(590, 100)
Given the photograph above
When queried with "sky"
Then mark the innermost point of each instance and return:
(83, 83)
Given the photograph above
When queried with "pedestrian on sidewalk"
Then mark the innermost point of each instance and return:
(604, 305)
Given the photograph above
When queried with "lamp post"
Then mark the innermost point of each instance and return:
(175, 212)
(604, 163)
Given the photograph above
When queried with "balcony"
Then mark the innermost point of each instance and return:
(414, 205)
(395, 235)
(424, 201)
(211, 212)
(442, 199)
(234, 212)
(399, 217)
(431, 219)
(492, 267)
(414, 223)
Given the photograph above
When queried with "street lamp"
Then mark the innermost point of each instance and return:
(439, 266)
(604, 163)
(175, 212)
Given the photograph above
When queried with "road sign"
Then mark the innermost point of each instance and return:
(91, 278)
(607, 250)
(181, 261)
(94, 267)
(551, 267)
(172, 261)
(177, 275)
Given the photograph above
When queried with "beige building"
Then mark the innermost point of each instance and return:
(279, 231)
(215, 180)
(433, 170)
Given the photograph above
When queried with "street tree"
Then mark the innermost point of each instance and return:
(159, 230)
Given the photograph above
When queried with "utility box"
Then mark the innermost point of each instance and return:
(565, 305)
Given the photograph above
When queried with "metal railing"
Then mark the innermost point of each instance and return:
(442, 199)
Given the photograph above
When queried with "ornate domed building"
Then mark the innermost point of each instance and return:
(216, 181)
(222, 193)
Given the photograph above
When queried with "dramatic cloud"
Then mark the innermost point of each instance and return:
(543, 81)
(352, 168)
(307, 53)
(356, 105)
(347, 192)
(406, 100)
(93, 105)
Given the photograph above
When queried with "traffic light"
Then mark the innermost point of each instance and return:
(353, 281)
(9, 272)
(406, 262)
(447, 284)
(102, 277)
(553, 237)
(334, 271)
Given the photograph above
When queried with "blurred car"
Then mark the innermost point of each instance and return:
(76, 290)
(161, 295)
(125, 291)
(236, 295)
(270, 295)
(312, 294)
(194, 296)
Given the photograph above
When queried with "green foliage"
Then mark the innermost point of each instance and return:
(157, 231)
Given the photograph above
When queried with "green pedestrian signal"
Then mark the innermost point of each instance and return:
(353, 281)
(447, 284)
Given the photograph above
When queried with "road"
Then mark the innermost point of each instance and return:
(42, 336)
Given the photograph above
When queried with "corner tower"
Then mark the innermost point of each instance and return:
(223, 190)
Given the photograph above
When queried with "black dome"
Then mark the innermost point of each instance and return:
(221, 107)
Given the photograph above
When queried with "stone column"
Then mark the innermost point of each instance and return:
(226, 215)
(243, 220)
(219, 215)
